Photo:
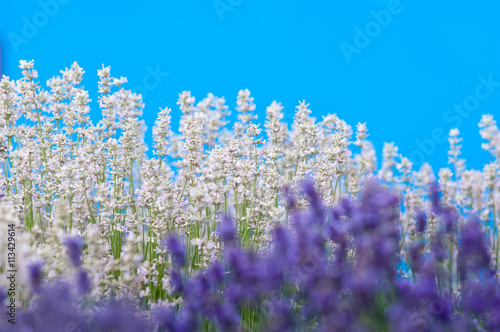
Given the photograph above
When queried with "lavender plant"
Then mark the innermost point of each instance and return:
(242, 228)
(331, 269)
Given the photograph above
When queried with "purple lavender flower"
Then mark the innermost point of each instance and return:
(177, 249)
(448, 213)
(405, 292)
(426, 288)
(492, 318)
(282, 241)
(405, 319)
(450, 217)
(421, 221)
(227, 317)
(316, 206)
(336, 230)
(53, 310)
(118, 317)
(227, 230)
(74, 246)
(438, 250)
(474, 252)
(165, 317)
(3, 295)
(215, 273)
(416, 256)
(35, 274)
(434, 196)
(176, 279)
(282, 317)
(82, 281)
(479, 297)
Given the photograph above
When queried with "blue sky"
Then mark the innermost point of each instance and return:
(410, 69)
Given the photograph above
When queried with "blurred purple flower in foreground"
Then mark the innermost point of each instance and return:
(333, 269)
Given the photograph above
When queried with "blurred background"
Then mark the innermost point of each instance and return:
(411, 70)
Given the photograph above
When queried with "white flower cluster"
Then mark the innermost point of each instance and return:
(64, 176)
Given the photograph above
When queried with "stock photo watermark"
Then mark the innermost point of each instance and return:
(364, 35)
(150, 81)
(455, 116)
(11, 270)
(31, 26)
(222, 7)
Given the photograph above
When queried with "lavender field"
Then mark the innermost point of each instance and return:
(256, 225)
